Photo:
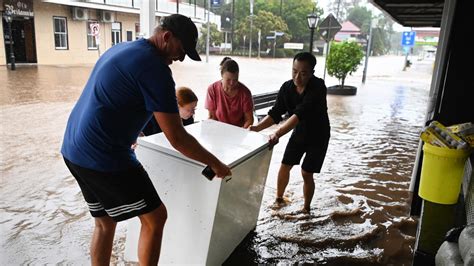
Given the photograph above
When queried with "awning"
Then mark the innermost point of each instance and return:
(413, 13)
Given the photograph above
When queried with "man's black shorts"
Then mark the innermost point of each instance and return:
(314, 158)
(120, 195)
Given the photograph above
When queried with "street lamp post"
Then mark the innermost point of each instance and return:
(312, 22)
(208, 38)
(251, 26)
(8, 16)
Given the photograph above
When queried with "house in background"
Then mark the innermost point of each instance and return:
(348, 32)
(426, 42)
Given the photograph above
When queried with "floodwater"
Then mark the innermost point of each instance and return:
(361, 204)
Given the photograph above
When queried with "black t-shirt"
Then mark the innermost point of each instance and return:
(310, 107)
(152, 126)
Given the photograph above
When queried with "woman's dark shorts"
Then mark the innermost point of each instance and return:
(314, 158)
(120, 195)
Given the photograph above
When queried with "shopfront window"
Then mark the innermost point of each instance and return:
(60, 33)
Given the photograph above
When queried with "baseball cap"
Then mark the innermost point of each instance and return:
(184, 29)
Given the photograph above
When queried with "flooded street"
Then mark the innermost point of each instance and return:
(360, 207)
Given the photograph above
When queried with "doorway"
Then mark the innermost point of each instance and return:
(23, 37)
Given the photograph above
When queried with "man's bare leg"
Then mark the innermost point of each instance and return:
(283, 179)
(102, 240)
(151, 234)
(308, 189)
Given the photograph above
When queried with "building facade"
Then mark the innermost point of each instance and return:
(56, 32)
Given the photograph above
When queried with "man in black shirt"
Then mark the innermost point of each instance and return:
(304, 99)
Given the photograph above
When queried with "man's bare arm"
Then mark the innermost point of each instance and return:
(183, 142)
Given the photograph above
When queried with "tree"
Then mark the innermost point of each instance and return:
(344, 59)
(266, 22)
(360, 16)
(382, 28)
(395, 41)
(382, 33)
(294, 14)
(214, 40)
(340, 8)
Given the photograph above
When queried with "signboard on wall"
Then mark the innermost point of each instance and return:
(21, 8)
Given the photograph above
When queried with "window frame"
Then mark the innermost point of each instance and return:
(89, 35)
(61, 34)
(116, 33)
(129, 34)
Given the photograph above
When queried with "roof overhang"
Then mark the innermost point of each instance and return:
(413, 13)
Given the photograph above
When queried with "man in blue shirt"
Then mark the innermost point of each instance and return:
(129, 84)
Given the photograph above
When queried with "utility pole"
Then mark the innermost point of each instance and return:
(281, 4)
(259, 37)
(208, 29)
(274, 42)
(328, 46)
(337, 10)
(368, 51)
(232, 29)
(251, 25)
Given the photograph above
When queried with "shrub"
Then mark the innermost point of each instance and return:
(344, 58)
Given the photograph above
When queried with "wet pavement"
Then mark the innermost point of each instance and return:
(361, 204)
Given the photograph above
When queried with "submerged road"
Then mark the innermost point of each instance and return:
(361, 204)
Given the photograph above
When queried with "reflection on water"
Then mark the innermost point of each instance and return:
(361, 201)
(360, 208)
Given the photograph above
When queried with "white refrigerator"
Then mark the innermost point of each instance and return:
(206, 219)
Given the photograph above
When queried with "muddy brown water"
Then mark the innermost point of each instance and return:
(361, 203)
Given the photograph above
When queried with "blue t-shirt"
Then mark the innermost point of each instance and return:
(128, 83)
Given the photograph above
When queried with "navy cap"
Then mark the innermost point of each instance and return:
(184, 29)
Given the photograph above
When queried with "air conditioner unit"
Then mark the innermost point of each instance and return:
(80, 13)
(106, 16)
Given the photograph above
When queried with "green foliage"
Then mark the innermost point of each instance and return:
(294, 14)
(340, 8)
(360, 16)
(344, 58)
(382, 33)
(382, 28)
(291, 52)
(267, 18)
(215, 39)
(266, 22)
(280, 53)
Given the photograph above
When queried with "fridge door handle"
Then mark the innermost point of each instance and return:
(208, 173)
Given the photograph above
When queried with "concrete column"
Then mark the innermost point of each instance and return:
(147, 18)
